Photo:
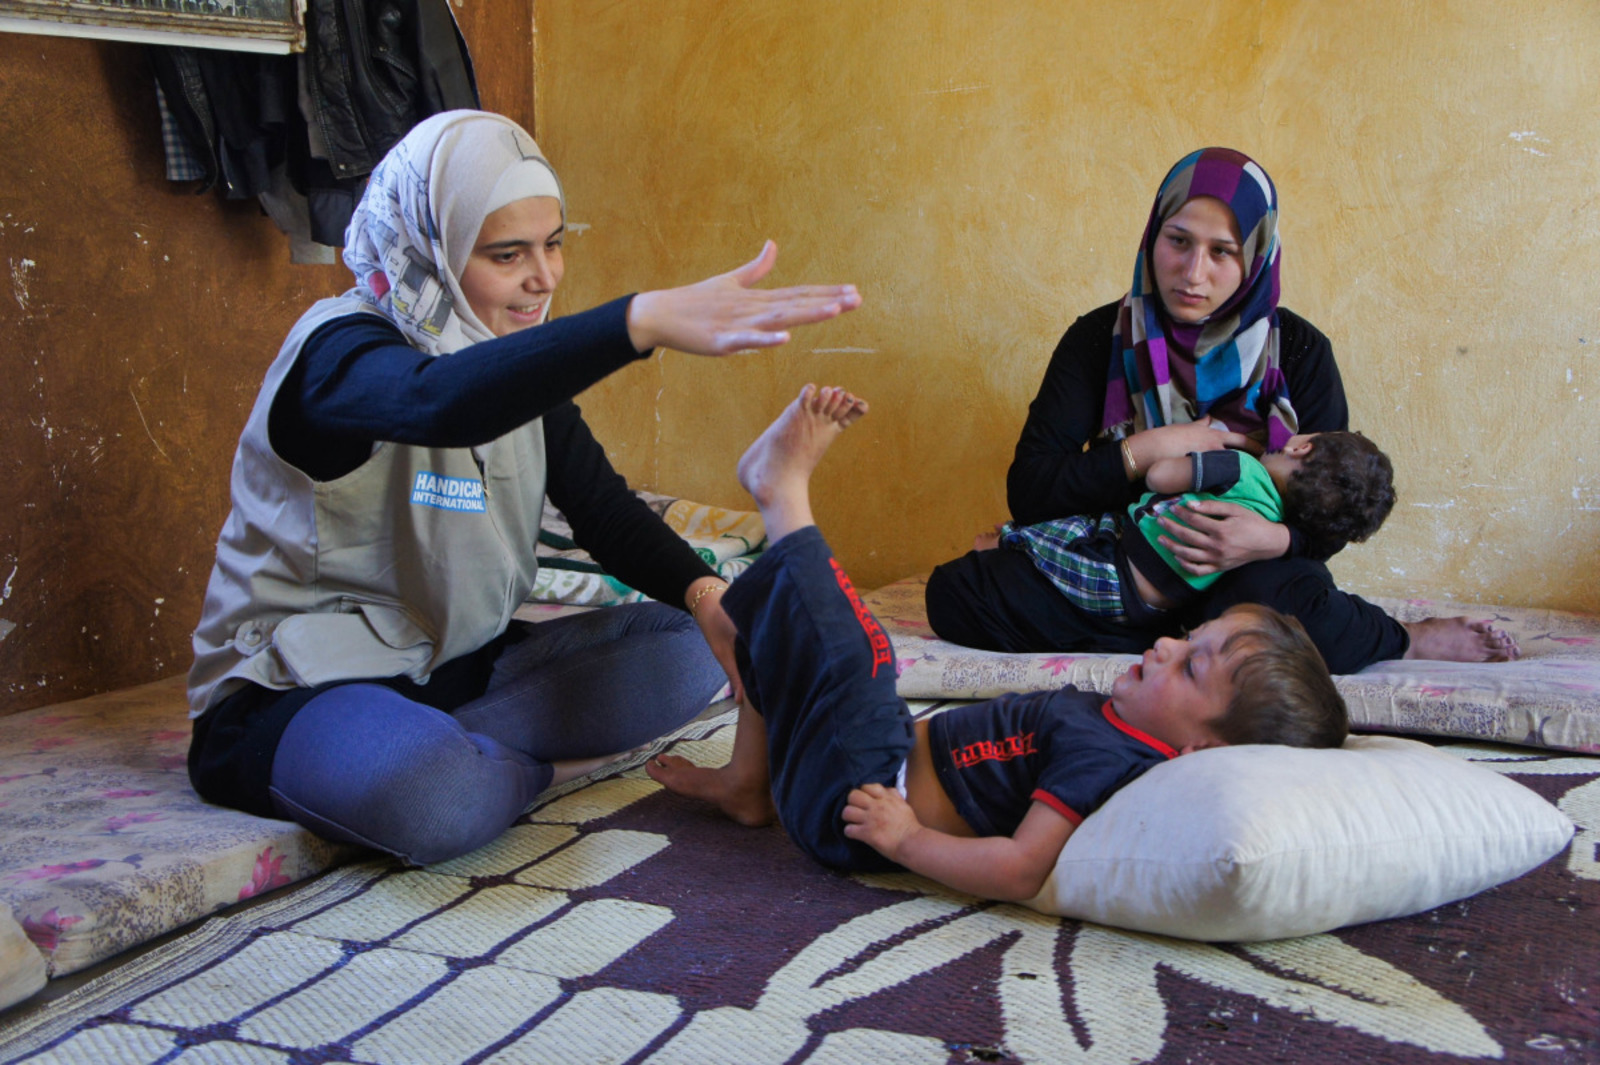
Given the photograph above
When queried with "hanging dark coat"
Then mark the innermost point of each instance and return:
(372, 69)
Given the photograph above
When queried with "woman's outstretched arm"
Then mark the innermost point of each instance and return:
(357, 381)
(727, 313)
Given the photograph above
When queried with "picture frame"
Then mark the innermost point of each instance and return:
(269, 26)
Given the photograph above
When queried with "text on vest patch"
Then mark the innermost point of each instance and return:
(447, 493)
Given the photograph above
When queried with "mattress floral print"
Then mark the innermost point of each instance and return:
(103, 843)
(1549, 698)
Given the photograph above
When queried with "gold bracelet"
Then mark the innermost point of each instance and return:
(1127, 456)
(694, 604)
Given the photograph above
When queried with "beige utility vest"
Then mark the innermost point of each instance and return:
(415, 558)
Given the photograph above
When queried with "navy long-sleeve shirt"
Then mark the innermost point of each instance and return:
(358, 382)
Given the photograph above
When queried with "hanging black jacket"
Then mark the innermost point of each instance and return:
(378, 67)
(372, 69)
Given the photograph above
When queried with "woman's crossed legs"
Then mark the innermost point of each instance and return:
(362, 763)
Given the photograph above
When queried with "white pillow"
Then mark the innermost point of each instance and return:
(22, 967)
(1256, 842)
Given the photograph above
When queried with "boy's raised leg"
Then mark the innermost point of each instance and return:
(776, 471)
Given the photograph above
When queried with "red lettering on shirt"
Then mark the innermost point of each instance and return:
(877, 639)
(1003, 750)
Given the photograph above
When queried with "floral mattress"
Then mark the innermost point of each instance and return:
(1549, 698)
(103, 844)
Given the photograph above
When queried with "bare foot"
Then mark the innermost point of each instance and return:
(988, 541)
(1460, 640)
(745, 800)
(776, 469)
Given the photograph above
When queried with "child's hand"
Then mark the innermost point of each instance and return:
(880, 818)
(988, 541)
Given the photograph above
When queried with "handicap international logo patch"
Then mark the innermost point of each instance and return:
(447, 493)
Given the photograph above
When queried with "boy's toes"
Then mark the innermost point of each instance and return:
(665, 767)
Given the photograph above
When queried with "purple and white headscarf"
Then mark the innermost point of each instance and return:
(412, 232)
(1165, 372)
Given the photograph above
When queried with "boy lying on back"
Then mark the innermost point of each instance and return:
(984, 796)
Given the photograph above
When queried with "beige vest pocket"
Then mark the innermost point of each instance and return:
(376, 641)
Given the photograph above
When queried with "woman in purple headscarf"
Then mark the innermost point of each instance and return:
(1198, 355)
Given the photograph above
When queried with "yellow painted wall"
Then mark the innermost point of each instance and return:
(983, 171)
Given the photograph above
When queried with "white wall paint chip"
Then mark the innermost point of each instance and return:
(19, 280)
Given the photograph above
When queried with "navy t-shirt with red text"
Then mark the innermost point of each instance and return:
(1067, 749)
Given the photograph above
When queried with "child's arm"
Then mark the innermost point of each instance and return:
(1214, 471)
(1171, 475)
(1009, 868)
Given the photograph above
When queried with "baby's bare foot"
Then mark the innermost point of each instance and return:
(746, 800)
(1461, 640)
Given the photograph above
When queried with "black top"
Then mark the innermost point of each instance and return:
(1067, 749)
(999, 600)
(358, 382)
(1052, 475)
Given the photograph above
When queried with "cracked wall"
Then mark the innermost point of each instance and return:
(136, 325)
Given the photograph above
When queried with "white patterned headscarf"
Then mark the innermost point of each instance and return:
(414, 229)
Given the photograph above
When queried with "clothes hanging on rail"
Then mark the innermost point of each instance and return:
(301, 132)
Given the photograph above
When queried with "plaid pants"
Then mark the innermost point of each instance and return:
(1078, 554)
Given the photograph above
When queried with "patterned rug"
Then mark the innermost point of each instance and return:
(622, 924)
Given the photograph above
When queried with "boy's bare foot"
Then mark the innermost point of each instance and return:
(776, 469)
(1460, 640)
(743, 798)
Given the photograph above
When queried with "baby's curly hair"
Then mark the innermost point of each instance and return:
(1341, 493)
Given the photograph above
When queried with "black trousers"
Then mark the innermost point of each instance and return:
(999, 601)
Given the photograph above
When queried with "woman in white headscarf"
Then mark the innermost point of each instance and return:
(357, 668)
